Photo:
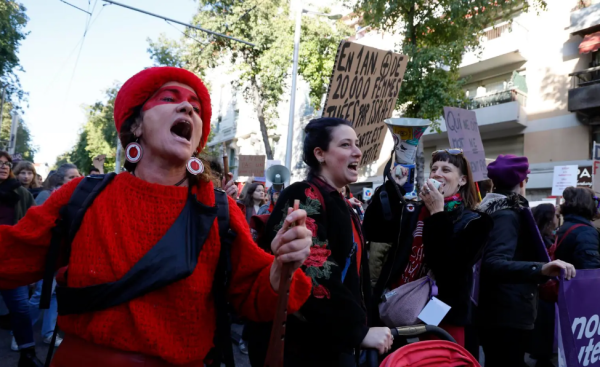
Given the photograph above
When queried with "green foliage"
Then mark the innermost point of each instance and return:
(98, 136)
(24, 146)
(263, 70)
(435, 34)
(12, 24)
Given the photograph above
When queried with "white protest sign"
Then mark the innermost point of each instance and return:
(564, 176)
(363, 89)
(463, 133)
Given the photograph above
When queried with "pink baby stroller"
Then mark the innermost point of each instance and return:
(431, 353)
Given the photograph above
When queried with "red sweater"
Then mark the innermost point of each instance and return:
(127, 219)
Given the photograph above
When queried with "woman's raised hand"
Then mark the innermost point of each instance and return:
(432, 197)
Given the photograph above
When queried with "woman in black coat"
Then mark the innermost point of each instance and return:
(442, 233)
(579, 245)
(332, 326)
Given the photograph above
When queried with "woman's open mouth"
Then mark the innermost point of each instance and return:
(353, 167)
(182, 128)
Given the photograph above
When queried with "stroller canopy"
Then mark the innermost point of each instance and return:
(432, 353)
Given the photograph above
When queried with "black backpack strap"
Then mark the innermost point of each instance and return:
(67, 225)
(223, 351)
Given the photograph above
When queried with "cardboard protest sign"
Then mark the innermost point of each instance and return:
(579, 320)
(251, 165)
(564, 176)
(463, 133)
(363, 89)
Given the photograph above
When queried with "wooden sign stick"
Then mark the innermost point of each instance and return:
(225, 161)
(277, 341)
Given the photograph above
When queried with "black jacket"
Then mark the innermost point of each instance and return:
(581, 246)
(511, 269)
(333, 322)
(452, 241)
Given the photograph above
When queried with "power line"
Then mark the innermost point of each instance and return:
(76, 7)
(178, 22)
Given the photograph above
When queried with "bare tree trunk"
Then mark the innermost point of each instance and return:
(261, 119)
(420, 166)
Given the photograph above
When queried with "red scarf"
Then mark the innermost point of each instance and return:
(415, 268)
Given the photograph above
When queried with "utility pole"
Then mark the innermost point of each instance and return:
(12, 141)
(2, 107)
(178, 22)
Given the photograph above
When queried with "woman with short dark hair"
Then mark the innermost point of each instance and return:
(577, 239)
(547, 222)
(253, 200)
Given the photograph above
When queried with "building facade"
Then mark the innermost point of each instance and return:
(534, 88)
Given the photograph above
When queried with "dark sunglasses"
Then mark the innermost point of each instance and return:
(8, 164)
(451, 151)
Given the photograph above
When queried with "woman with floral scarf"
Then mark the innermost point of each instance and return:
(333, 325)
(442, 234)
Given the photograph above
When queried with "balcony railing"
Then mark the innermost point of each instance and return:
(585, 77)
(496, 98)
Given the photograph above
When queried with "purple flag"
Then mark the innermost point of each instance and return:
(579, 321)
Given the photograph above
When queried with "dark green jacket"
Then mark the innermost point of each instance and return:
(25, 202)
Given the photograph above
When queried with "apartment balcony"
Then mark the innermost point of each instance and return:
(501, 111)
(502, 45)
(584, 92)
(585, 19)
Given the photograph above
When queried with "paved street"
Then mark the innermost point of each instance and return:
(9, 358)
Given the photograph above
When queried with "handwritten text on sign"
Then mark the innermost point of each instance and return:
(363, 90)
(463, 133)
(564, 176)
(251, 165)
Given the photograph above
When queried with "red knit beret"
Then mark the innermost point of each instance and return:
(140, 87)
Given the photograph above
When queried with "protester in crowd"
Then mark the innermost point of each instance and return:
(15, 201)
(26, 174)
(50, 315)
(65, 173)
(254, 199)
(512, 266)
(443, 233)
(578, 241)
(542, 338)
(273, 195)
(354, 202)
(219, 180)
(547, 220)
(333, 324)
(169, 314)
(40, 180)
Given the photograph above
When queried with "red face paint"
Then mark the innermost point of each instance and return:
(173, 95)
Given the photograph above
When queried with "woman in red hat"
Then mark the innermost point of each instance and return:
(163, 116)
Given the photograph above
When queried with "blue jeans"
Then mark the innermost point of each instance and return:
(50, 314)
(17, 302)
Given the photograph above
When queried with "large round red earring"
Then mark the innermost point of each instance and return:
(195, 166)
(133, 152)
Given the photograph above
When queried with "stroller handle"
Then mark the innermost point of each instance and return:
(409, 331)
(412, 331)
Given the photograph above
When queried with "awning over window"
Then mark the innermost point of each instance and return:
(590, 43)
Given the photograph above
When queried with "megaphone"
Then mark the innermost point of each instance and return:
(406, 133)
(278, 175)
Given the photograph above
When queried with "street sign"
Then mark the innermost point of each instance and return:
(463, 133)
(363, 89)
(584, 177)
(564, 176)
